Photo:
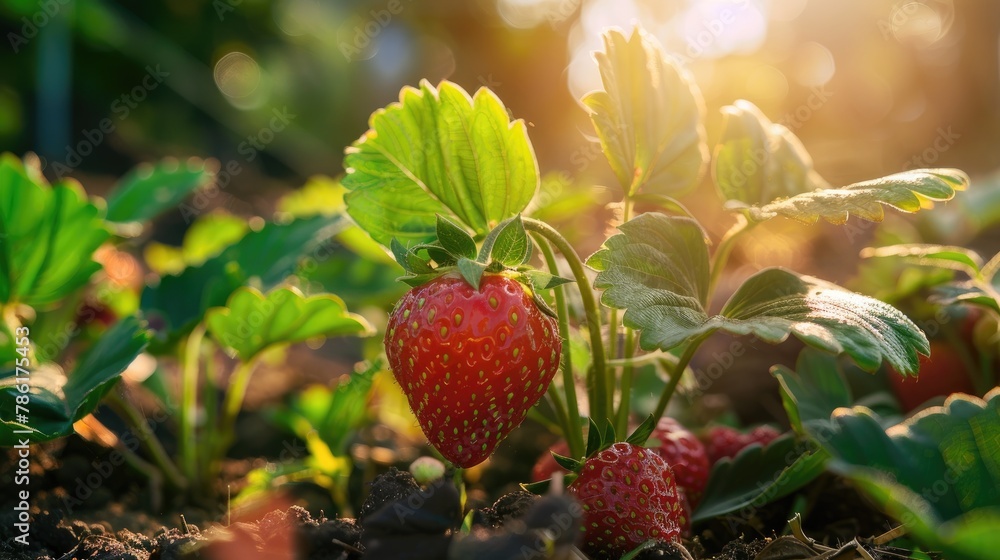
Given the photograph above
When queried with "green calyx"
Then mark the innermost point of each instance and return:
(505, 250)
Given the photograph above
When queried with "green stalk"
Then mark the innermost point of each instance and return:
(601, 405)
(189, 402)
(628, 373)
(722, 253)
(239, 381)
(655, 357)
(676, 373)
(573, 428)
(152, 445)
(211, 403)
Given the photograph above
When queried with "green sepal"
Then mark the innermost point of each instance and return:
(595, 441)
(400, 253)
(609, 436)
(639, 436)
(472, 271)
(454, 239)
(568, 463)
(540, 280)
(419, 279)
(541, 487)
(436, 253)
(507, 244)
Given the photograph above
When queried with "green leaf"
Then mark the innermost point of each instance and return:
(207, 237)
(454, 239)
(657, 270)
(814, 390)
(757, 161)
(762, 170)
(758, 476)
(148, 190)
(942, 256)
(938, 471)
(510, 245)
(334, 413)
(252, 322)
(643, 431)
(649, 117)
(968, 292)
(439, 151)
(909, 192)
(265, 257)
(58, 401)
(472, 271)
(664, 203)
(49, 236)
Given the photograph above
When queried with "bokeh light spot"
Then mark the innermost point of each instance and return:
(237, 74)
(813, 64)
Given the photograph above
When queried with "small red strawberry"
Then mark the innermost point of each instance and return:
(629, 496)
(723, 441)
(471, 362)
(940, 374)
(685, 454)
(546, 466)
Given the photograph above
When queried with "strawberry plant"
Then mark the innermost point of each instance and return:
(229, 288)
(444, 180)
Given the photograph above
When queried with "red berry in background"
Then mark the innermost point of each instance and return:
(471, 362)
(628, 496)
(723, 441)
(762, 434)
(685, 454)
(546, 466)
(940, 374)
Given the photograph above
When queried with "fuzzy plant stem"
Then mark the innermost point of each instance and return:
(676, 372)
(189, 402)
(601, 404)
(721, 256)
(233, 401)
(628, 351)
(152, 445)
(573, 427)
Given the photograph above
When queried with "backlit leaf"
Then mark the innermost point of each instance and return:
(252, 322)
(439, 151)
(649, 117)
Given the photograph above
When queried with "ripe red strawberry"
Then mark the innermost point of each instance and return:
(629, 496)
(471, 362)
(940, 374)
(684, 453)
(723, 441)
(546, 466)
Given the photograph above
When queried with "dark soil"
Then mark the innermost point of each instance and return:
(399, 520)
(396, 519)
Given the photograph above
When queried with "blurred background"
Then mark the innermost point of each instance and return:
(871, 86)
(274, 91)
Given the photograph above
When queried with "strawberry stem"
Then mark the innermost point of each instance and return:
(601, 405)
(189, 402)
(676, 372)
(722, 253)
(573, 427)
(624, 404)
